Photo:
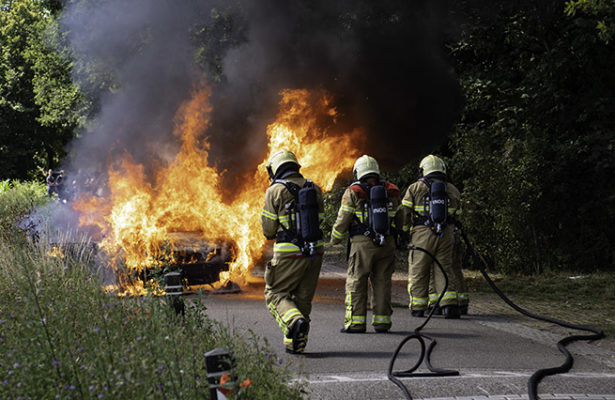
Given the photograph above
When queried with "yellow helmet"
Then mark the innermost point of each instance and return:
(365, 165)
(278, 158)
(431, 164)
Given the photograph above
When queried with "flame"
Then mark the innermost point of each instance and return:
(185, 195)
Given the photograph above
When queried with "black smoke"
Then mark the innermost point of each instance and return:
(383, 61)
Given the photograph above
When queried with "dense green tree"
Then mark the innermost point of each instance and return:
(39, 105)
(534, 147)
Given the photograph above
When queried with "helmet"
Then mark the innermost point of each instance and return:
(278, 158)
(365, 165)
(431, 164)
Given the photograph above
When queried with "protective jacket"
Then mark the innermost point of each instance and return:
(415, 219)
(366, 260)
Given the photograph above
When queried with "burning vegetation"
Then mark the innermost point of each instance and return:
(176, 215)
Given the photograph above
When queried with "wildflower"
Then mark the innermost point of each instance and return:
(5, 382)
(79, 349)
(107, 305)
(245, 383)
(96, 329)
(91, 387)
(100, 395)
(72, 387)
(2, 321)
(280, 361)
(16, 365)
(160, 387)
(18, 384)
(10, 372)
(55, 362)
(160, 368)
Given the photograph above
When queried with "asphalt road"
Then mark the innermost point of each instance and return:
(494, 357)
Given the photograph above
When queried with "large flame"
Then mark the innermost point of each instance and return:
(185, 195)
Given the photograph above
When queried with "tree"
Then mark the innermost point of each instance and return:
(39, 105)
(534, 147)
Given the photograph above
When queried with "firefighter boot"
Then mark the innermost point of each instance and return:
(296, 339)
(451, 312)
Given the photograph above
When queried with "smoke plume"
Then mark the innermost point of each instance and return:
(383, 62)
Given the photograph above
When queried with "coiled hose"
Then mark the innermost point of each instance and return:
(536, 376)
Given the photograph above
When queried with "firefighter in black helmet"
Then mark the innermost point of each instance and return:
(367, 209)
(292, 274)
(437, 237)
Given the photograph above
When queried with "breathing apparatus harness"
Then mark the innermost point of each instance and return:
(303, 220)
(435, 206)
(375, 212)
(426, 353)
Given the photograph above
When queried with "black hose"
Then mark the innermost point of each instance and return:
(425, 355)
(561, 345)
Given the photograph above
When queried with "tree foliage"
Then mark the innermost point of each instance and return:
(534, 147)
(39, 105)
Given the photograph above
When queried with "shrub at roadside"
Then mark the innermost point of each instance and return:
(62, 336)
(17, 199)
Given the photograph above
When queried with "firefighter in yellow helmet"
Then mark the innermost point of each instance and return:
(428, 211)
(293, 210)
(368, 207)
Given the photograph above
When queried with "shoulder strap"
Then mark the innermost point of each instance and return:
(293, 188)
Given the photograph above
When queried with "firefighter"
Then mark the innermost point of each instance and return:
(292, 274)
(371, 248)
(419, 206)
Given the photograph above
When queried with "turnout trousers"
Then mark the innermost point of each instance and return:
(421, 268)
(368, 262)
(290, 284)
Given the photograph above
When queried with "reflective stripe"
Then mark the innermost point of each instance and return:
(407, 203)
(449, 295)
(275, 314)
(347, 209)
(420, 208)
(433, 297)
(358, 319)
(419, 301)
(286, 247)
(336, 234)
(405, 228)
(381, 319)
(360, 216)
(290, 314)
(321, 216)
(269, 215)
(392, 213)
(463, 296)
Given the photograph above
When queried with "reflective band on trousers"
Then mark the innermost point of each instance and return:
(419, 301)
(407, 203)
(449, 295)
(277, 317)
(381, 319)
(290, 314)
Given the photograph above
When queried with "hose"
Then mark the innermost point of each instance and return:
(425, 355)
(537, 376)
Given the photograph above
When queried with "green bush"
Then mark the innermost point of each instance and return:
(62, 335)
(17, 200)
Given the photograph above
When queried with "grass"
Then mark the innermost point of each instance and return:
(587, 299)
(62, 336)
